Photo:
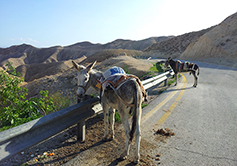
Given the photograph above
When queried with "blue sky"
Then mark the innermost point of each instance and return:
(45, 23)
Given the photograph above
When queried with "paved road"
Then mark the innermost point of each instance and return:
(204, 119)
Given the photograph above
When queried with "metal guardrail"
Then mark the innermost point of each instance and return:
(157, 79)
(19, 138)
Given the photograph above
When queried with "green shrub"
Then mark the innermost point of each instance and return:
(15, 109)
(159, 67)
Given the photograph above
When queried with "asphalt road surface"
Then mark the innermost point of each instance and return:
(204, 119)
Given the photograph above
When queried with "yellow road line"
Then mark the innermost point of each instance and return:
(149, 114)
(183, 89)
(166, 114)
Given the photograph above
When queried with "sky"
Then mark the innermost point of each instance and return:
(46, 23)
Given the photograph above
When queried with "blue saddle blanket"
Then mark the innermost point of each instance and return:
(113, 71)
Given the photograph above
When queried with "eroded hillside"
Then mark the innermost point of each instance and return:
(219, 45)
(174, 46)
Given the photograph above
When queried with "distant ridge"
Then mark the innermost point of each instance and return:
(27, 54)
(35, 63)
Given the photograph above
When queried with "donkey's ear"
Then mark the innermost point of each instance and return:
(90, 66)
(169, 58)
(78, 67)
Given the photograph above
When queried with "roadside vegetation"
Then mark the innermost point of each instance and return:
(154, 71)
(16, 109)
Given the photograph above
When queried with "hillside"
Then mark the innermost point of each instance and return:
(38, 70)
(27, 54)
(108, 53)
(174, 46)
(219, 45)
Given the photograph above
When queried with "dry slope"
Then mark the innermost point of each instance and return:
(174, 46)
(219, 45)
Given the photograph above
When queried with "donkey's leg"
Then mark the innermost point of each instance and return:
(138, 135)
(124, 119)
(176, 79)
(106, 121)
(195, 78)
(112, 113)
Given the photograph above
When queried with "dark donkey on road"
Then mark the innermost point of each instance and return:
(178, 66)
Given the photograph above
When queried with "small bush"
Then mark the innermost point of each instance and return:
(159, 67)
(15, 109)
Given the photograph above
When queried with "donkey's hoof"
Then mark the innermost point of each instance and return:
(105, 139)
(111, 138)
(136, 159)
(123, 156)
(194, 86)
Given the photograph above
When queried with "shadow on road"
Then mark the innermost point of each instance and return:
(171, 90)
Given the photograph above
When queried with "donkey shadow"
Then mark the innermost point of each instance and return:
(118, 160)
(171, 90)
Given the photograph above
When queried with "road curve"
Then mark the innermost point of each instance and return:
(204, 119)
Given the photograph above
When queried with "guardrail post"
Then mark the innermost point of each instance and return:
(81, 131)
(81, 127)
(165, 82)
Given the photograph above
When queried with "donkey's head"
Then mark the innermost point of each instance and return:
(83, 78)
(167, 62)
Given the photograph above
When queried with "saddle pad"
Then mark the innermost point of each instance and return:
(113, 71)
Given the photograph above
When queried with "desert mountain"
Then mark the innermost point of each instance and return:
(219, 45)
(27, 54)
(34, 62)
(174, 46)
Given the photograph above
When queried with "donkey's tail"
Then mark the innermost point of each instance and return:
(137, 102)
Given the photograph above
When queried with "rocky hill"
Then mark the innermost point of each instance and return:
(174, 46)
(219, 45)
(27, 54)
